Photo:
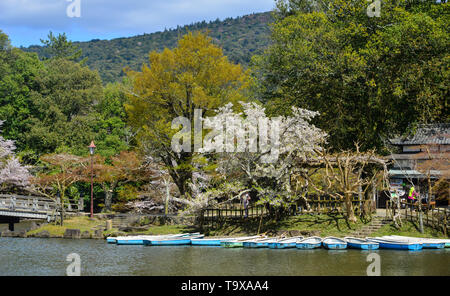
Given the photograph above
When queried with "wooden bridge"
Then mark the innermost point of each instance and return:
(15, 207)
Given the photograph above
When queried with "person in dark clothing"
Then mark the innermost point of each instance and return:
(246, 202)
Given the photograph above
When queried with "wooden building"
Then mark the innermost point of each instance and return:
(422, 161)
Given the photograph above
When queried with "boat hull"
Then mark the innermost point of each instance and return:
(168, 242)
(433, 245)
(232, 244)
(130, 242)
(398, 245)
(308, 246)
(363, 246)
(206, 242)
(283, 245)
(111, 240)
(334, 246)
(259, 245)
(334, 243)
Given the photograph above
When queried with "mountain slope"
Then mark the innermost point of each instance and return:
(240, 38)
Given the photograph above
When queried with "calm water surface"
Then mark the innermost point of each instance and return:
(35, 256)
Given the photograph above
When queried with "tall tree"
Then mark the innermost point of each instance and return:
(60, 47)
(194, 75)
(64, 100)
(367, 76)
(62, 171)
(17, 82)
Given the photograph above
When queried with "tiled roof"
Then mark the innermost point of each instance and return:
(427, 134)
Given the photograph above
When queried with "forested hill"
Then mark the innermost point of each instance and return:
(240, 38)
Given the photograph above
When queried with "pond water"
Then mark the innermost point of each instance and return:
(35, 256)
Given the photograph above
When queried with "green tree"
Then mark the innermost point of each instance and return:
(64, 100)
(194, 75)
(5, 43)
(18, 72)
(60, 47)
(112, 134)
(368, 77)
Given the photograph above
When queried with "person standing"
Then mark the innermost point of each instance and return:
(246, 202)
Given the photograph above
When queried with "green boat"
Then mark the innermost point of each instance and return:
(237, 242)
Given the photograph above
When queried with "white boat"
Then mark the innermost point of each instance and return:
(172, 241)
(312, 242)
(210, 241)
(334, 243)
(284, 243)
(237, 242)
(363, 244)
(427, 243)
(398, 244)
(139, 239)
(257, 243)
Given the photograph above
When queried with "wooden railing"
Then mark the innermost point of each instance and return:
(320, 204)
(437, 218)
(236, 211)
(14, 202)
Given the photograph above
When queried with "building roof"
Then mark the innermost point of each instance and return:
(413, 174)
(438, 133)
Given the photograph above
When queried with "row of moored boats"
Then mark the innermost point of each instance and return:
(299, 242)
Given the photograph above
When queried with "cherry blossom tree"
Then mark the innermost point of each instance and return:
(252, 151)
(12, 172)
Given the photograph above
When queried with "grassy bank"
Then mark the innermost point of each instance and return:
(319, 225)
(306, 225)
(81, 222)
(409, 229)
(90, 225)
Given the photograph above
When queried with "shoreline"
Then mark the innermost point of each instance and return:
(82, 227)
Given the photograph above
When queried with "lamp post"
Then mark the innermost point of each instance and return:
(91, 151)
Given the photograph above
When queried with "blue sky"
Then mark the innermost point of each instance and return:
(28, 21)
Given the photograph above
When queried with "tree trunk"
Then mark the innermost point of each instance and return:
(349, 208)
(108, 200)
(181, 178)
(420, 216)
(109, 192)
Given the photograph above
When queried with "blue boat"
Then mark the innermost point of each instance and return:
(237, 242)
(312, 242)
(139, 239)
(111, 240)
(334, 243)
(208, 241)
(129, 240)
(257, 243)
(362, 244)
(396, 244)
(427, 243)
(285, 243)
(171, 241)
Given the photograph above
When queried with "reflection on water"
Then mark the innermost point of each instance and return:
(34, 256)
